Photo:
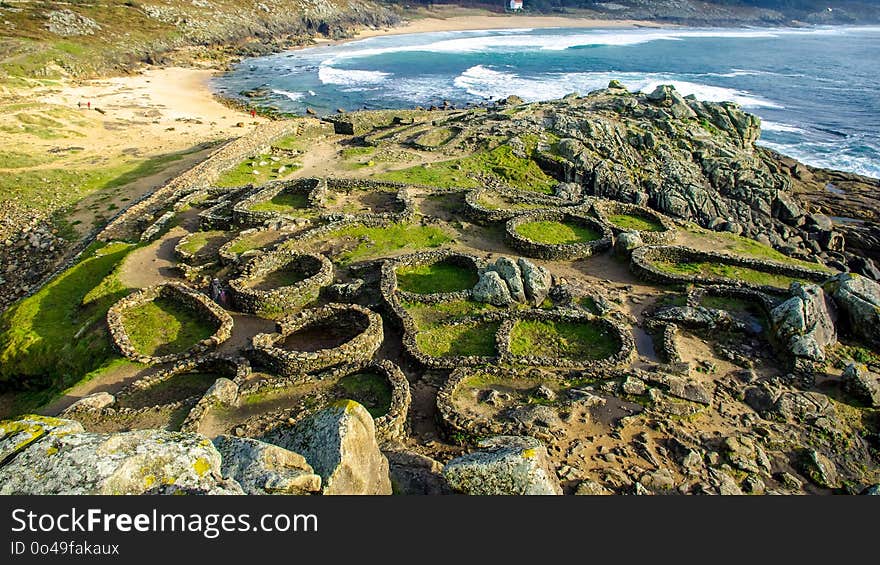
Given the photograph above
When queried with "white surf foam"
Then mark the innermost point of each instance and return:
(286, 93)
(486, 82)
(349, 77)
(767, 125)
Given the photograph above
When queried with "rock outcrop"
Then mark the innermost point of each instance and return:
(55, 456)
(263, 468)
(506, 281)
(504, 465)
(339, 442)
(859, 300)
(803, 324)
(862, 384)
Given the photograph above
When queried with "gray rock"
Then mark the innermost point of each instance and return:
(859, 298)
(533, 416)
(263, 468)
(223, 392)
(569, 191)
(91, 402)
(544, 392)
(55, 456)
(862, 384)
(492, 289)
(16, 435)
(536, 281)
(804, 406)
(504, 465)
(873, 490)
(589, 487)
(627, 241)
(820, 469)
(512, 276)
(339, 442)
(803, 323)
(746, 454)
(634, 386)
(413, 473)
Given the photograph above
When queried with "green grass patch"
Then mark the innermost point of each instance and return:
(476, 338)
(384, 240)
(571, 340)
(436, 277)
(517, 172)
(435, 137)
(635, 222)
(280, 278)
(199, 240)
(55, 338)
(165, 327)
(721, 270)
(430, 315)
(369, 389)
(258, 170)
(283, 203)
(554, 233)
(737, 245)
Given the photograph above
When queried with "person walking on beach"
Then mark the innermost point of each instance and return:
(89, 104)
(253, 113)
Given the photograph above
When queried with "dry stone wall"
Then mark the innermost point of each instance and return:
(277, 301)
(366, 327)
(185, 296)
(559, 251)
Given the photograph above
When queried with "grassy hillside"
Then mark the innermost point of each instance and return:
(90, 37)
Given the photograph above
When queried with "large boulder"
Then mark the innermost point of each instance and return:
(92, 402)
(859, 299)
(263, 468)
(510, 272)
(54, 456)
(626, 242)
(536, 281)
(492, 289)
(862, 384)
(504, 465)
(803, 323)
(339, 442)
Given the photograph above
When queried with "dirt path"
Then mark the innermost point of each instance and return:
(112, 381)
(155, 263)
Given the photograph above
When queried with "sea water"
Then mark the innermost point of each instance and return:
(816, 89)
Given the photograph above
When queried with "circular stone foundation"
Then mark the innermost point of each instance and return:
(431, 276)
(319, 338)
(557, 235)
(571, 339)
(275, 283)
(172, 320)
(653, 227)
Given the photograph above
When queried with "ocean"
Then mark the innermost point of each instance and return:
(816, 89)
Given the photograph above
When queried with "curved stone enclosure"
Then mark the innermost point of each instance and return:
(389, 283)
(335, 334)
(604, 208)
(182, 294)
(310, 190)
(316, 271)
(520, 202)
(621, 334)
(559, 251)
(643, 259)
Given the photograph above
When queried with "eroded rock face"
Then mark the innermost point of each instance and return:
(492, 289)
(803, 323)
(859, 299)
(55, 456)
(536, 280)
(862, 384)
(263, 468)
(339, 442)
(504, 465)
(510, 272)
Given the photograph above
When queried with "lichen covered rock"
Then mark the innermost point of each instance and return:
(803, 323)
(504, 465)
(339, 442)
(492, 289)
(263, 468)
(859, 298)
(55, 456)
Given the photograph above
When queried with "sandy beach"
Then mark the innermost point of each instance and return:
(481, 20)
